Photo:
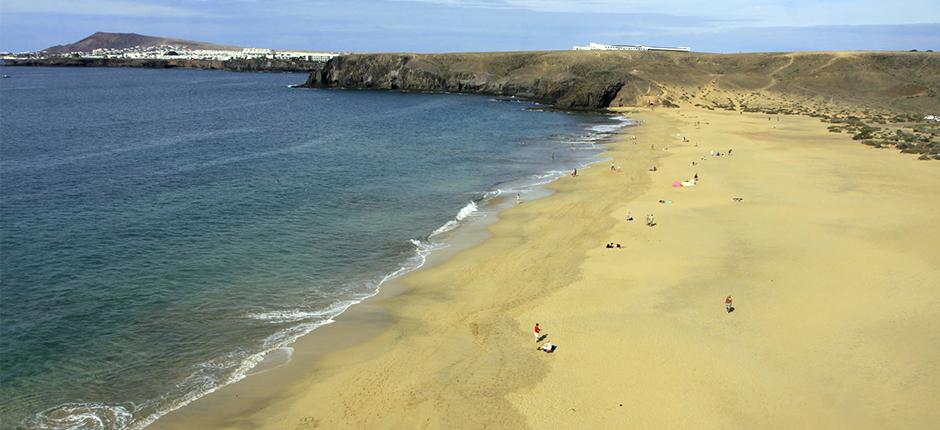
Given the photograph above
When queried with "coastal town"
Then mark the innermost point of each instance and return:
(132, 46)
(177, 52)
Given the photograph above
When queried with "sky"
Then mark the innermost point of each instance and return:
(484, 25)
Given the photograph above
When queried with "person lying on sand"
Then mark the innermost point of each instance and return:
(629, 216)
(653, 169)
(548, 347)
(650, 221)
(737, 199)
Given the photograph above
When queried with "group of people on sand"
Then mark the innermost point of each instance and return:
(548, 346)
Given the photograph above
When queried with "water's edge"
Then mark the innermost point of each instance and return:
(301, 331)
(468, 229)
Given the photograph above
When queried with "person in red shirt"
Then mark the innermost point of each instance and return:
(728, 306)
(537, 330)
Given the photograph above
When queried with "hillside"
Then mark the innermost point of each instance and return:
(905, 82)
(102, 40)
(879, 97)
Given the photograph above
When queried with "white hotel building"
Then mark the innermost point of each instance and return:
(605, 47)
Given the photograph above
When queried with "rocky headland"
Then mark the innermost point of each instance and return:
(881, 98)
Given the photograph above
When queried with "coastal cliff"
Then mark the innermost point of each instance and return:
(797, 82)
(883, 99)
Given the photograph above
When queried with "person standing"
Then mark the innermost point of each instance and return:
(537, 331)
(728, 304)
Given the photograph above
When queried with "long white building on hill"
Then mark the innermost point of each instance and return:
(605, 47)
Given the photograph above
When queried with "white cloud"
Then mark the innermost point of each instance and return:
(96, 7)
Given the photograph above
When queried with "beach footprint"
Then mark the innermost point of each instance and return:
(308, 423)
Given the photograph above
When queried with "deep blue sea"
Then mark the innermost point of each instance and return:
(162, 230)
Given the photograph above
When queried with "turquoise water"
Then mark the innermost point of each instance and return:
(163, 229)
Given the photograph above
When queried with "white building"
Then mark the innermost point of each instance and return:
(256, 52)
(605, 47)
(170, 52)
(303, 55)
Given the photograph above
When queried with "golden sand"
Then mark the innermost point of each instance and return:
(832, 256)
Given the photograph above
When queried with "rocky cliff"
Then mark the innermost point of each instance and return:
(905, 82)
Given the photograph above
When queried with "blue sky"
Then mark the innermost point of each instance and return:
(484, 25)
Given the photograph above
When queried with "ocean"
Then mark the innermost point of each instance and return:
(162, 230)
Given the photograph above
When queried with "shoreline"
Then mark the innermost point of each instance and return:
(832, 330)
(366, 316)
(362, 322)
(278, 66)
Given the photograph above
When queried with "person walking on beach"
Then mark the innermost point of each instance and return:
(518, 199)
(537, 331)
(728, 304)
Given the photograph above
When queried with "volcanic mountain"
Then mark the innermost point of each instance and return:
(102, 40)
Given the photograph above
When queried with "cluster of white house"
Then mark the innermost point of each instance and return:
(169, 52)
(605, 47)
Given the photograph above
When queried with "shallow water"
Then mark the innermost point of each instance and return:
(161, 230)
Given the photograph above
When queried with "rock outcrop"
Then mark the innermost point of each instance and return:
(899, 81)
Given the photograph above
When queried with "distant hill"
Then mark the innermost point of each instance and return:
(102, 40)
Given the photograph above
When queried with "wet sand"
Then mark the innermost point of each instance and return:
(831, 257)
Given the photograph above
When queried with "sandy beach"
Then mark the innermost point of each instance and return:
(830, 255)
